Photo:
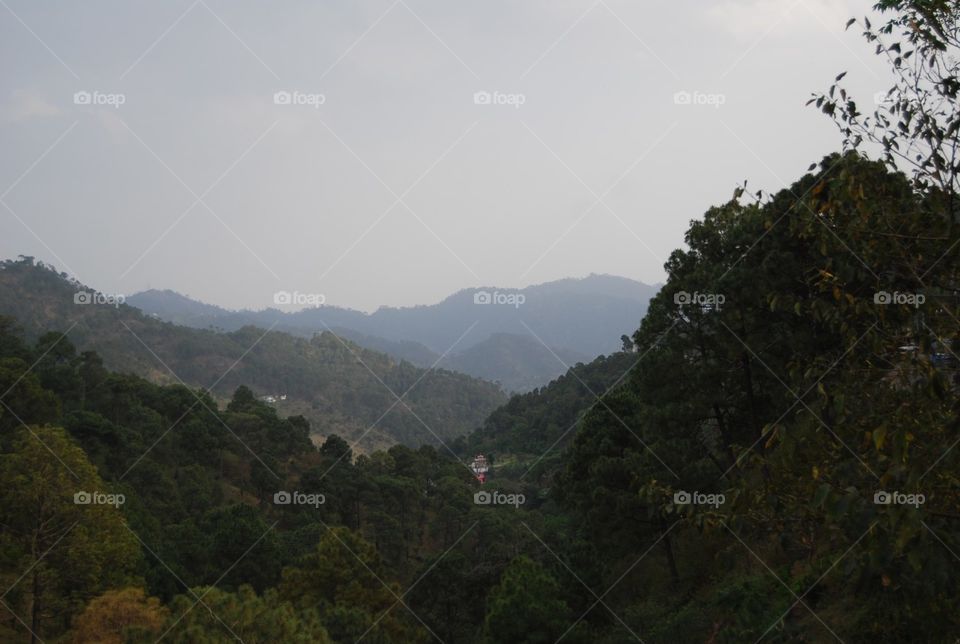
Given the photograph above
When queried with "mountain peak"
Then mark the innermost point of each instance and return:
(481, 330)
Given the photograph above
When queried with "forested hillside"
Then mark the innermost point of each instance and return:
(794, 403)
(522, 343)
(187, 512)
(528, 434)
(339, 387)
(770, 457)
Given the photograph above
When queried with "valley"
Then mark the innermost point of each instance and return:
(522, 346)
(631, 336)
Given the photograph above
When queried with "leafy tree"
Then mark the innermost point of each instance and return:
(54, 552)
(795, 398)
(25, 400)
(525, 606)
(449, 597)
(344, 580)
(917, 122)
(336, 448)
(120, 616)
(11, 340)
(220, 616)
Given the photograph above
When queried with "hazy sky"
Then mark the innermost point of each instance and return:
(393, 182)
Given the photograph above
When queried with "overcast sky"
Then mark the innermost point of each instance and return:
(393, 181)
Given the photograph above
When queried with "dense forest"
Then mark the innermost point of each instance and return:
(770, 457)
(338, 386)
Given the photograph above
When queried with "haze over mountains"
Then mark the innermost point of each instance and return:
(521, 338)
(341, 378)
(335, 385)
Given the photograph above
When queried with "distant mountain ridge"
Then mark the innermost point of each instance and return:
(338, 386)
(522, 338)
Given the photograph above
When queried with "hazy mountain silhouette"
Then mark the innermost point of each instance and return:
(338, 386)
(522, 338)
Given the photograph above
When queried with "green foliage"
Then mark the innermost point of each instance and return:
(917, 125)
(525, 606)
(800, 359)
(796, 399)
(209, 615)
(532, 429)
(337, 386)
(343, 579)
(56, 553)
(119, 616)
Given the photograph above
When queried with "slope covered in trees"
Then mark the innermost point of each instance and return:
(782, 412)
(784, 452)
(777, 462)
(528, 433)
(798, 400)
(183, 535)
(475, 331)
(338, 386)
